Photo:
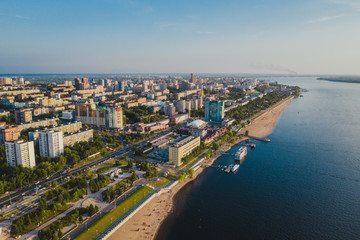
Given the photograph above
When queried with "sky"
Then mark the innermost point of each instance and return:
(180, 36)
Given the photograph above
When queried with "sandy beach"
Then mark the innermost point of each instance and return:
(144, 224)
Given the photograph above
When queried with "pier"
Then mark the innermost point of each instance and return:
(260, 139)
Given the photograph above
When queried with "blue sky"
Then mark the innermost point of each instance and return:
(134, 36)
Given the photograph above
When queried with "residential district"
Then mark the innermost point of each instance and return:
(75, 151)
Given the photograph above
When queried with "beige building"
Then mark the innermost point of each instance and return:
(182, 149)
(38, 124)
(23, 116)
(106, 117)
(64, 128)
(71, 139)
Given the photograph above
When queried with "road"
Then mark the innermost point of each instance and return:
(83, 226)
(30, 189)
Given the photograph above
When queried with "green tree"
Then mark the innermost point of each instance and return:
(247, 133)
(191, 173)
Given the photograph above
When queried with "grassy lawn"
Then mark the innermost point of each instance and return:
(102, 224)
(89, 160)
(160, 182)
(163, 181)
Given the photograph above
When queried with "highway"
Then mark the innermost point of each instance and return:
(30, 189)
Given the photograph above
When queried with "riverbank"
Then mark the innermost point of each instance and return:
(144, 224)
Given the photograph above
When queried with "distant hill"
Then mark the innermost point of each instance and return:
(348, 79)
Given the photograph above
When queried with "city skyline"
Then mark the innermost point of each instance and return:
(123, 36)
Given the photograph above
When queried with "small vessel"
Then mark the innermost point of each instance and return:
(228, 169)
(252, 146)
(235, 167)
(241, 153)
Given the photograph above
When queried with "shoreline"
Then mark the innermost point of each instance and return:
(147, 221)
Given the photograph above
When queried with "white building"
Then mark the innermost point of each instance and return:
(51, 144)
(20, 153)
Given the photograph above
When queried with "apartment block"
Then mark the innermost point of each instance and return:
(214, 111)
(64, 128)
(101, 117)
(182, 149)
(38, 124)
(81, 136)
(23, 116)
(9, 133)
(51, 144)
(20, 153)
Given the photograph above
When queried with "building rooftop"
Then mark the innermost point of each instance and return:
(196, 124)
(184, 141)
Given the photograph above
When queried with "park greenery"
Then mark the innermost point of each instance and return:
(255, 106)
(53, 202)
(98, 183)
(150, 169)
(135, 114)
(118, 189)
(261, 88)
(297, 91)
(108, 219)
(235, 94)
(112, 141)
(194, 153)
(152, 118)
(53, 231)
(197, 113)
(133, 138)
(10, 120)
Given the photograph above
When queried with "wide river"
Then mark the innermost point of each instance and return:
(304, 184)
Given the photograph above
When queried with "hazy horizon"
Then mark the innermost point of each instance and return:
(133, 36)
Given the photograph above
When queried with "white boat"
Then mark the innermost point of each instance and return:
(235, 167)
(241, 153)
(228, 168)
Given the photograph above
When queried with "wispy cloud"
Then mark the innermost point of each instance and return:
(258, 34)
(206, 33)
(176, 25)
(167, 25)
(353, 4)
(323, 19)
(21, 17)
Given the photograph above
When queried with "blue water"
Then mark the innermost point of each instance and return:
(304, 184)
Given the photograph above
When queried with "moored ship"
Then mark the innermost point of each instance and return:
(241, 153)
(235, 167)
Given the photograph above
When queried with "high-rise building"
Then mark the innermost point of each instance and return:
(106, 117)
(20, 153)
(214, 111)
(23, 116)
(114, 117)
(51, 143)
(82, 84)
(5, 81)
(192, 78)
(169, 110)
(21, 81)
(180, 106)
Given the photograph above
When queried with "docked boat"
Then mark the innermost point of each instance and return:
(235, 167)
(228, 169)
(241, 153)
